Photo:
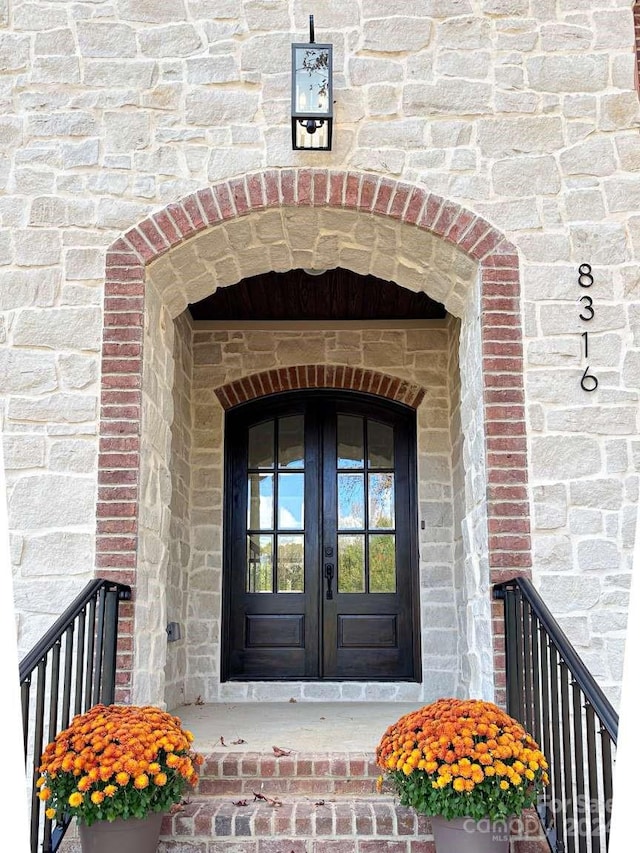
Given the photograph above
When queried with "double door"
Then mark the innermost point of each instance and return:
(320, 555)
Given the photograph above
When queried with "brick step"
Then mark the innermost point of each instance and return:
(295, 825)
(243, 773)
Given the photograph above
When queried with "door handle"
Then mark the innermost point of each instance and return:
(328, 573)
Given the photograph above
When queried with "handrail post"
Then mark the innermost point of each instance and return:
(108, 687)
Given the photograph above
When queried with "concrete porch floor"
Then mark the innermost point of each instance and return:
(295, 726)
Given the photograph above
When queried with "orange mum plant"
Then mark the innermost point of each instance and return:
(462, 758)
(117, 761)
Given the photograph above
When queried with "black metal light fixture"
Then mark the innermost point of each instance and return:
(311, 94)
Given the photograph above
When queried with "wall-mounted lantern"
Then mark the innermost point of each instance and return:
(311, 94)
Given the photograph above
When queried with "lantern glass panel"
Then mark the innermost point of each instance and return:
(312, 74)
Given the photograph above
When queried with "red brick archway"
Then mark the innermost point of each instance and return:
(319, 376)
(120, 420)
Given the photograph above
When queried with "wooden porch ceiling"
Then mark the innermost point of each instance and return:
(336, 294)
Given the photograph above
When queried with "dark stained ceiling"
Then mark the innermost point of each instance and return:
(336, 294)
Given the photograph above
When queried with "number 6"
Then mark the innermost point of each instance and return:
(588, 378)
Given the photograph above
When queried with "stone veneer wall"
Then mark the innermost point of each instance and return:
(523, 113)
(184, 478)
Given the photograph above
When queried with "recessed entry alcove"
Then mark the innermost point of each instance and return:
(313, 498)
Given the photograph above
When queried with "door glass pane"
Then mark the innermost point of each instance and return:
(260, 502)
(382, 563)
(351, 501)
(259, 563)
(291, 501)
(351, 564)
(291, 442)
(350, 442)
(290, 563)
(380, 445)
(261, 440)
(381, 501)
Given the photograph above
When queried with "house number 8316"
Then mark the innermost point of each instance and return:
(588, 382)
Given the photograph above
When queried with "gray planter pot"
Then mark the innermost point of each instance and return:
(465, 835)
(134, 835)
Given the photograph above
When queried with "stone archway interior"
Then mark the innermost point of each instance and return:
(181, 494)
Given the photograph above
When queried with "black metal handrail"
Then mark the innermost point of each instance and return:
(552, 693)
(77, 655)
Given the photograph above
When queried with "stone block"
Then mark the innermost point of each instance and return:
(152, 11)
(73, 455)
(509, 136)
(396, 34)
(552, 553)
(23, 451)
(120, 73)
(51, 500)
(218, 69)
(598, 555)
(550, 506)
(59, 408)
(468, 33)
(106, 39)
(174, 40)
(565, 38)
(212, 106)
(531, 176)
(591, 157)
(77, 123)
(24, 370)
(618, 111)
(126, 131)
(622, 194)
(586, 73)
(59, 553)
(263, 15)
(564, 457)
(39, 247)
(505, 8)
(58, 42)
(26, 288)
(446, 97)
(600, 243)
(569, 594)
(14, 52)
(59, 328)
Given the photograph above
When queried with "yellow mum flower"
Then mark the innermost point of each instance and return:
(50, 813)
(110, 790)
(504, 785)
(141, 781)
(75, 799)
(97, 797)
(160, 779)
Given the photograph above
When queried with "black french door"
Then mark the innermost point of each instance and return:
(320, 550)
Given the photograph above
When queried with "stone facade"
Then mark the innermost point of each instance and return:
(118, 116)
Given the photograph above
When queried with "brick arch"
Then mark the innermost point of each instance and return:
(121, 380)
(307, 376)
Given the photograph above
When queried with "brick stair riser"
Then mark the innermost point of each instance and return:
(348, 826)
(240, 774)
(242, 788)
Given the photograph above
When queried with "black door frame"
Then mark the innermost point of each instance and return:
(282, 404)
